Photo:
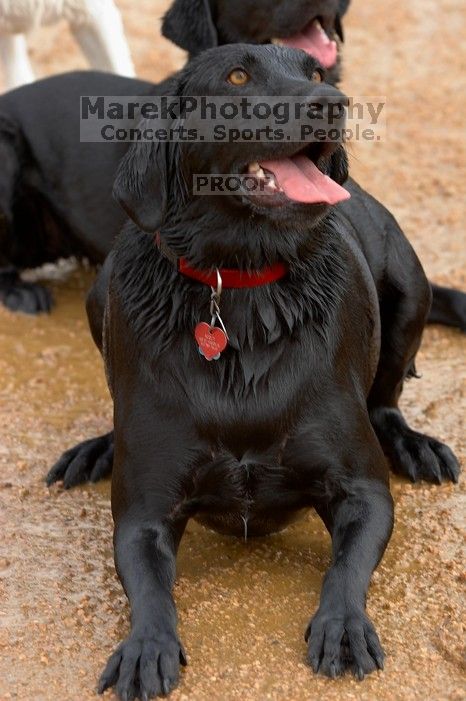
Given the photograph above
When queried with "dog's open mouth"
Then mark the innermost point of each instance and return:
(315, 41)
(296, 178)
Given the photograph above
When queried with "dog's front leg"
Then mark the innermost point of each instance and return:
(152, 457)
(147, 663)
(341, 635)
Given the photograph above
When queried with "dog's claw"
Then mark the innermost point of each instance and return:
(380, 661)
(183, 656)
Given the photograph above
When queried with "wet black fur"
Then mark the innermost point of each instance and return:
(288, 418)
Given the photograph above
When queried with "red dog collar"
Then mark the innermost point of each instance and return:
(231, 277)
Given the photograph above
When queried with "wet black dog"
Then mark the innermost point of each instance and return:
(312, 25)
(55, 191)
(282, 420)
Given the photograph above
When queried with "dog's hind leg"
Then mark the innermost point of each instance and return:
(15, 293)
(448, 307)
(102, 39)
(91, 460)
(15, 59)
(405, 301)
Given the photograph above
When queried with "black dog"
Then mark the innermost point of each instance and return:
(319, 346)
(188, 19)
(312, 25)
(55, 191)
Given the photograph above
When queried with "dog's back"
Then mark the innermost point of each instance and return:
(40, 138)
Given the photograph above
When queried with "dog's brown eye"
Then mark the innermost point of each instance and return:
(317, 77)
(238, 77)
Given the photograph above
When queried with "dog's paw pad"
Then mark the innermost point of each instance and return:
(89, 461)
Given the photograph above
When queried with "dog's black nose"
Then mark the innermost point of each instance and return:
(327, 95)
(322, 111)
(319, 94)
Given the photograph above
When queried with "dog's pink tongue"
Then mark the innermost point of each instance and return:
(314, 41)
(302, 181)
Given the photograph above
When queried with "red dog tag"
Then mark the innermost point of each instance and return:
(211, 340)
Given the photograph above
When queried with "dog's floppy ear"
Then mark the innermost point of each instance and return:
(141, 184)
(189, 24)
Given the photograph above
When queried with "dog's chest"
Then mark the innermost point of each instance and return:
(242, 485)
(247, 495)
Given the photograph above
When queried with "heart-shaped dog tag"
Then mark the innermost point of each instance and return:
(211, 340)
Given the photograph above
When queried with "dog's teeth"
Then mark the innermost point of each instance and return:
(325, 36)
(255, 169)
(271, 182)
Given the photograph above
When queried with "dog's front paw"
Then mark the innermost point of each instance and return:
(89, 461)
(412, 454)
(337, 642)
(20, 296)
(144, 667)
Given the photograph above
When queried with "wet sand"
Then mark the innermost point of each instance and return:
(244, 606)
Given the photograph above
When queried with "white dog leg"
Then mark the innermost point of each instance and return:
(15, 59)
(102, 39)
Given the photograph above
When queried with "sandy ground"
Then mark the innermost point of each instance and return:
(244, 607)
